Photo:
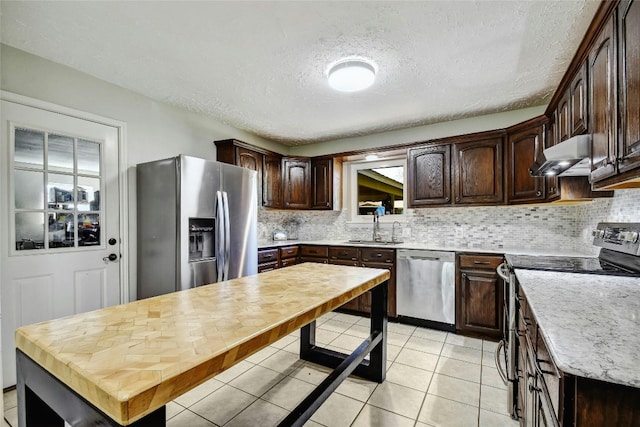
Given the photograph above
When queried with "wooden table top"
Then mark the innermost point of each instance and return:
(131, 359)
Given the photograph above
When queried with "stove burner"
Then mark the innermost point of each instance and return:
(586, 265)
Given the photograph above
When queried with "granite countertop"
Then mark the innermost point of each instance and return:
(262, 244)
(590, 322)
(131, 359)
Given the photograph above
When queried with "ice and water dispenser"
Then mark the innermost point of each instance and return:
(201, 239)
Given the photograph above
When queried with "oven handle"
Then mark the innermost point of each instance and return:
(501, 371)
(503, 271)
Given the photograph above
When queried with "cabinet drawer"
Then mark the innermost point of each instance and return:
(480, 261)
(267, 266)
(314, 259)
(314, 251)
(286, 262)
(289, 252)
(550, 374)
(267, 255)
(343, 252)
(377, 255)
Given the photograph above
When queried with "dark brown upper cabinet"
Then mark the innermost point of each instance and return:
(525, 143)
(571, 114)
(322, 183)
(429, 175)
(629, 69)
(272, 181)
(553, 191)
(578, 102)
(296, 180)
(563, 112)
(244, 155)
(602, 95)
(477, 172)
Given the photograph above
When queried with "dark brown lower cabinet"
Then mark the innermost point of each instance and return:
(547, 396)
(479, 302)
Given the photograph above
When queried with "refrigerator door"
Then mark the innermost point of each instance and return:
(240, 186)
(200, 180)
(157, 222)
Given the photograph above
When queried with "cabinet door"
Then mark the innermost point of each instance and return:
(578, 99)
(249, 159)
(602, 99)
(553, 191)
(321, 183)
(481, 302)
(365, 299)
(477, 172)
(524, 147)
(297, 185)
(272, 182)
(429, 175)
(563, 117)
(629, 63)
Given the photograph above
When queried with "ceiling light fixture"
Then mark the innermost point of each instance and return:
(351, 74)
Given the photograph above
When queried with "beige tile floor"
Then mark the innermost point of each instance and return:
(434, 378)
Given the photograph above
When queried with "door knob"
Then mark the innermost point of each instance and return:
(112, 241)
(111, 257)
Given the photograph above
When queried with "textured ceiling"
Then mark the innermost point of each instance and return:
(261, 65)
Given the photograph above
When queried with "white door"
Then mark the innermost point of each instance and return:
(60, 219)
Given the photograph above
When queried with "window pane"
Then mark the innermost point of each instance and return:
(60, 153)
(29, 189)
(88, 194)
(60, 229)
(60, 189)
(88, 229)
(88, 157)
(380, 188)
(29, 230)
(29, 148)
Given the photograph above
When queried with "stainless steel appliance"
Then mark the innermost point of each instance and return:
(619, 255)
(426, 288)
(197, 224)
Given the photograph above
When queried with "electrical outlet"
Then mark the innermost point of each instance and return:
(459, 232)
(406, 232)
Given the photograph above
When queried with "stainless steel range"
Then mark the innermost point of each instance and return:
(619, 255)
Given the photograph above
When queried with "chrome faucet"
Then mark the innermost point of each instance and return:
(393, 230)
(376, 228)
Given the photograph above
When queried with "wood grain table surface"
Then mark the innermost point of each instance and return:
(131, 359)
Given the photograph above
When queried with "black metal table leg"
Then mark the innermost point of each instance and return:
(374, 369)
(44, 401)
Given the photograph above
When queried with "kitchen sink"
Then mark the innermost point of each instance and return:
(374, 242)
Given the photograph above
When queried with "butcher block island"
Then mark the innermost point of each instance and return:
(128, 361)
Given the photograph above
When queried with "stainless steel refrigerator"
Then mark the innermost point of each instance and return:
(197, 224)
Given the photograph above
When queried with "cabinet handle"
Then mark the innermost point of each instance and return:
(458, 199)
(464, 275)
(534, 389)
(481, 262)
(446, 199)
(290, 252)
(539, 193)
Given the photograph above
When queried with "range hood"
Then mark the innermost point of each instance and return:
(568, 158)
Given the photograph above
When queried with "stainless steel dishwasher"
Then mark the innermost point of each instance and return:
(425, 284)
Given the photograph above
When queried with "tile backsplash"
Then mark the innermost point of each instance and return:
(526, 227)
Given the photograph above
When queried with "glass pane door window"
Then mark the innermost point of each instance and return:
(56, 191)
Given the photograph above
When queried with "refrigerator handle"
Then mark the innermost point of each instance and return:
(227, 239)
(220, 237)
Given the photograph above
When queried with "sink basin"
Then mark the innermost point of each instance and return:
(373, 242)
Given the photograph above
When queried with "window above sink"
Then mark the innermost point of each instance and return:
(375, 186)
